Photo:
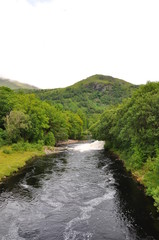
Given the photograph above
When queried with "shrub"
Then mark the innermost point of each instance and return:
(26, 146)
(50, 139)
(7, 151)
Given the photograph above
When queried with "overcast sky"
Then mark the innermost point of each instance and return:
(55, 43)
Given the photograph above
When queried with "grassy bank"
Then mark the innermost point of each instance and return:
(12, 160)
(14, 157)
(147, 174)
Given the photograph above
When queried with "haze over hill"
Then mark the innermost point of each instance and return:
(15, 84)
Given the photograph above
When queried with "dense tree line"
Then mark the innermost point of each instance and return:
(91, 95)
(24, 117)
(132, 130)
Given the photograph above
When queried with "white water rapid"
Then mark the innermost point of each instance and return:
(97, 145)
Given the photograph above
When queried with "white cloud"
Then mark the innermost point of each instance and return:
(55, 43)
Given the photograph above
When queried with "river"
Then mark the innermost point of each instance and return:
(77, 194)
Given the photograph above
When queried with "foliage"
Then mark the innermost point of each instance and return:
(75, 130)
(27, 124)
(11, 161)
(25, 118)
(26, 146)
(50, 139)
(132, 128)
(3, 137)
(7, 98)
(17, 125)
(89, 98)
(7, 151)
(58, 123)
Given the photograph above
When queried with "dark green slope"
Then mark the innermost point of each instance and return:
(15, 84)
(90, 95)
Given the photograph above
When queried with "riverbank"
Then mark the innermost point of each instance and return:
(69, 141)
(147, 176)
(12, 161)
(71, 185)
(138, 175)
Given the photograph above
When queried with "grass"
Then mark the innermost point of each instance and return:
(11, 161)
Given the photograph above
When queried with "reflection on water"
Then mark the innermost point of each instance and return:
(78, 194)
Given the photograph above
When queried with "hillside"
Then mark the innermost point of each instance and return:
(15, 84)
(91, 95)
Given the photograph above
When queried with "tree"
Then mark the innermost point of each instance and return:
(57, 121)
(17, 125)
(50, 139)
(75, 126)
(7, 98)
(35, 108)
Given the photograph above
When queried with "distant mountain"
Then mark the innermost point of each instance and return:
(91, 95)
(15, 84)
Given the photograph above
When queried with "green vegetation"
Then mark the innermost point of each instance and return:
(89, 96)
(27, 124)
(131, 129)
(12, 158)
(24, 117)
(14, 84)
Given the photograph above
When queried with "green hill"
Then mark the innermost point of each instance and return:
(91, 95)
(15, 84)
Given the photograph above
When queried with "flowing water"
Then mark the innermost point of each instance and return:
(77, 194)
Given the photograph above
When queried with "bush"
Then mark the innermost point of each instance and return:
(7, 151)
(2, 137)
(26, 146)
(38, 145)
(1, 142)
(20, 146)
(50, 139)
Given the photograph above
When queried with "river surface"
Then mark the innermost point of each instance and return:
(77, 194)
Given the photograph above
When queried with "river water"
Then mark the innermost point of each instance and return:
(77, 194)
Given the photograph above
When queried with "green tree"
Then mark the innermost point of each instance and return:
(7, 98)
(75, 126)
(57, 121)
(35, 108)
(50, 139)
(17, 126)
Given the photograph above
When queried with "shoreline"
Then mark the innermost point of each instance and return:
(15, 163)
(60, 146)
(137, 175)
(70, 141)
(23, 157)
(11, 164)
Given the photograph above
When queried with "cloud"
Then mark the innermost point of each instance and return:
(55, 43)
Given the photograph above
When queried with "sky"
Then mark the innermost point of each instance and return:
(55, 43)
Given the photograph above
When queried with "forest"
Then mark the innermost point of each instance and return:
(25, 118)
(30, 127)
(91, 95)
(131, 130)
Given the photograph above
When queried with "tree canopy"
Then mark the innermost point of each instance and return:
(132, 130)
(25, 117)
